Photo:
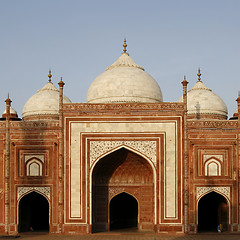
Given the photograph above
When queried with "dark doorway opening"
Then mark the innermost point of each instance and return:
(33, 213)
(123, 212)
(212, 211)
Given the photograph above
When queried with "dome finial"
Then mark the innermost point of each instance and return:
(125, 46)
(199, 75)
(49, 76)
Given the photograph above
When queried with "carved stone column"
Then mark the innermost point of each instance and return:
(7, 166)
(60, 174)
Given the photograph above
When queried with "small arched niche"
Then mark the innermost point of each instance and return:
(213, 167)
(34, 168)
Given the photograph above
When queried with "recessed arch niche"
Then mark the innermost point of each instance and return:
(213, 210)
(117, 172)
(33, 213)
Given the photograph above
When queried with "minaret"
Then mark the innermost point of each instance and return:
(60, 174)
(238, 103)
(7, 166)
(185, 153)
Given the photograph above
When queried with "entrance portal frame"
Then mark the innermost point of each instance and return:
(165, 130)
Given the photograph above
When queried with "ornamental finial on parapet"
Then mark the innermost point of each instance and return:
(199, 75)
(125, 46)
(61, 83)
(8, 100)
(49, 76)
(184, 82)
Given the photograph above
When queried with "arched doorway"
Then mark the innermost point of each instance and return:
(118, 172)
(212, 211)
(33, 213)
(123, 212)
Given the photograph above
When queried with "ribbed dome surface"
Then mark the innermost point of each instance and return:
(201, 100)
(44, 102)
(124, 81)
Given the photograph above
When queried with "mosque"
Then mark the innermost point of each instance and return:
(124, 159)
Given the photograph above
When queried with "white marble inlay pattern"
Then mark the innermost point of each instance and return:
(206, 157)
(99, 148)
(171, 163)
(202, 190)
(22, 190)
(38, 156)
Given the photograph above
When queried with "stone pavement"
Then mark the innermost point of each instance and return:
(129, 236)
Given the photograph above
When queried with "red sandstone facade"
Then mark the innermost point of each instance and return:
(150, 155)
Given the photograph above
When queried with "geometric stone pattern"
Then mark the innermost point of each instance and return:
(117, 107)
(202, 190)
(98, 148)
(22, 190)
(26, 159)
(210, 159)
(212, 124)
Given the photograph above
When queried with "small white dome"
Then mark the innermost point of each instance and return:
(44, 102)
(201, 100)
(124, 81)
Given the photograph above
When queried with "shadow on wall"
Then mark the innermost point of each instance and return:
(198, 110)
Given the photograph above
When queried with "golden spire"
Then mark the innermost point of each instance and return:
(199, 74)
(49, 76)
(125, 46)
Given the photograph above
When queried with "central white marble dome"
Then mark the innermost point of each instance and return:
(124, 81)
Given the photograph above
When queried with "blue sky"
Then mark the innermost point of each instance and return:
(78, 39)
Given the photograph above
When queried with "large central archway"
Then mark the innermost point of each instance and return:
(212, 211)
(116, 174)
(33, 213)
(123, 212)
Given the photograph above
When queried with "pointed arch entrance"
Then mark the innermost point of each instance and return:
(212, 211)
(122, 174)
(33, 213)
(123, 212)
